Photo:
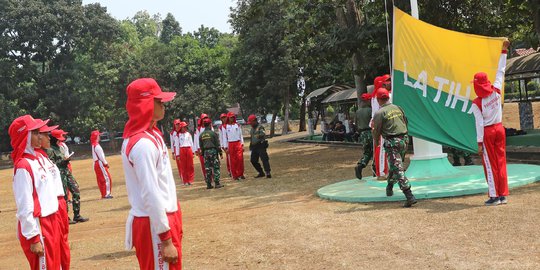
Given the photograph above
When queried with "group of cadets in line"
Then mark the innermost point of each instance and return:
(209, 146)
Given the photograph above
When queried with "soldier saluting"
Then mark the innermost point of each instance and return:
(390, 123)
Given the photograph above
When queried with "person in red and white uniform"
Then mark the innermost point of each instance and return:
(223, 138)
(379, 155)
(490, 133)
(184, 148)
(62, 213)
(174, 145)
(196, 147)
(154, 224)
(35, 194)
(101, 166)
(234, 146)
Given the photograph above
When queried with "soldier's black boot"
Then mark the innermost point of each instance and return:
(218, 185)
(358, 170)
(209, 185)
(390, 189)
(410, 198)
(261, 174)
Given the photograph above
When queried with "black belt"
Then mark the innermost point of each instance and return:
(395, 136)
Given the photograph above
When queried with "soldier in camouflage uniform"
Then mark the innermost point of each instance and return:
(391, 123)
(69, 182)
(362, 118)
(210, 148)
(257, 146)
(457, 154)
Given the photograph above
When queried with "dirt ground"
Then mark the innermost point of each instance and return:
(280, 223)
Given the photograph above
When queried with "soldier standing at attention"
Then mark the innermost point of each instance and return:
(257, 146)
(210, 148)
(363, 116)
(390, 123)
(61, 161)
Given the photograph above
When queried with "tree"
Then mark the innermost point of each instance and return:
(171, 28)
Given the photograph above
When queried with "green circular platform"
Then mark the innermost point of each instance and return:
(465, 180)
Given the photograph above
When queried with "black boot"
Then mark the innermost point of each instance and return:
(261, 174)
(218, 185)
(390, 189)
(358, 170)
(209, 185)
(410, 198)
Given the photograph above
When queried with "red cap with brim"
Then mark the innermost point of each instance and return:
(183, 124)
(382, 93)
(58, 134)
(18, 132)
(46, 128)
(176, 121)
(251, 119)
(207, 121)
(482, 86)
(223, 115)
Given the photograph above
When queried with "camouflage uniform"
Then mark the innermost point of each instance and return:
(366, 139)
(210, 148)
(457, 154)
(391, 123)
(395, 148)
(68, 180)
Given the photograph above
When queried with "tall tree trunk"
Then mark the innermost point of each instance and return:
(302, 126)
(348, 17)
(273, 124)
(535, 7)
(285, 129)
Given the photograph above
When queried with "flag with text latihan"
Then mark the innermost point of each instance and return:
(432, 73)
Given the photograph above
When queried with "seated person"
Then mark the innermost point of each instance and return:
(352, 135)
(339, 132)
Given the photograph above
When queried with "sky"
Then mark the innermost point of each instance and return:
(191, 14)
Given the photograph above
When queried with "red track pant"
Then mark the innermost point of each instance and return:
(104, 180)
(380, 160)
(148, 245)
(236, 155)
(228, 158)
(494, 160)
(50, 239)
(62, 214)
(185, 165)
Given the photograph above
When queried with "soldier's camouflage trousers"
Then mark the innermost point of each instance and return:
(211, 166)
(366, 139)
(69, 183)
(396, 148)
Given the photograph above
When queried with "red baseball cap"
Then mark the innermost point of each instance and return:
(207, 120)
(183, 124)
(251, 118)
(231, 114)
(145, 88)
(382, 93)
(18, 132)
(223, 115)
(176, 122)
(59, 134)
(203, 116)
(482, 85)
(46, 128)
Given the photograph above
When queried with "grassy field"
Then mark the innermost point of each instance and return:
(279, 223)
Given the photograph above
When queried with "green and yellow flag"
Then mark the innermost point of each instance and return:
(432, 73)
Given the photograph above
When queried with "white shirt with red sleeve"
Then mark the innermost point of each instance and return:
(98, 154)
(233, 133)
(222, 135)
(184, 140)
(487, 111)
(23, 189)
(149, 181)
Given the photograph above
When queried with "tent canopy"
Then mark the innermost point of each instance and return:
(345, 95)
(527, 66)
(327, 90)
